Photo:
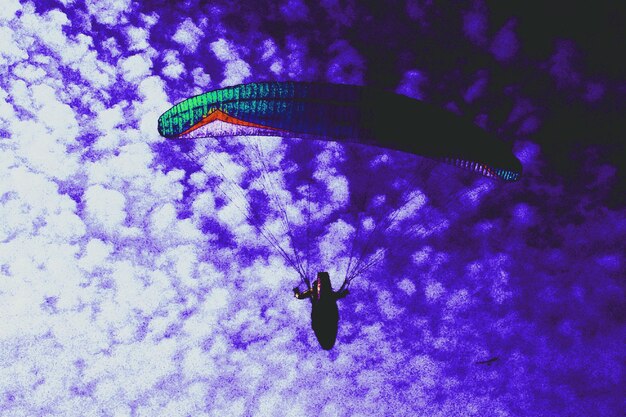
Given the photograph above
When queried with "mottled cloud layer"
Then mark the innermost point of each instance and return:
(132, 282)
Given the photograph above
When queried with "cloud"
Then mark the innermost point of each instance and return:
(475, 26)
(9, 9)
(10, 50)
(411, 84)
(346, 65)
(135, 67)
(174, 68)
(294, 10)
(200, 77)
(109, 12)
(188, 35)
(236, 70)
(504, 45)
(130, 284)
(562, 65)
(138, 38)
(105, 208)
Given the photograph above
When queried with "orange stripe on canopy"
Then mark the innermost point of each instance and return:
(221, 116)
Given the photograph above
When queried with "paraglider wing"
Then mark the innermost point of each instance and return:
(341, 113)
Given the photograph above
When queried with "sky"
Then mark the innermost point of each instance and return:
(133, 284)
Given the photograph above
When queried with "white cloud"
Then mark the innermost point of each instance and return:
(158, 294)
(412, 203)
(166, 229)
(100, 75)
(108, 119)
(19, 94)
(96, 253)
(111, 46)
(236, 70)
(200, 77)
(149, 19)
(457, 300)
(109, 12)
(333, 246)
(34, 195)
(63, 226)
(426, 368)
(347, 66)
(162, 218)
(48, 27)
(8, 10)
(10, 51)
(138, 38)
(272, 274)
(338, 189)
(269, 49)
(151, 90)
(135, 67)
(105, 208)
(434, 290)
(188, 35)
(174, 67)
(422, 256)
(28, 72)
(233, 214)
(387, 306)
(58, 117)
(223, 50)
(204, 204)
(7, 111)
(407, 286)
(277, 67)
(75, 52)
(147, 110)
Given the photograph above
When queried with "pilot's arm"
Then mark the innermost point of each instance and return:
(301, 295)
(341, 294)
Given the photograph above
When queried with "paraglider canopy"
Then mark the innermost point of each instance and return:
(341, 113)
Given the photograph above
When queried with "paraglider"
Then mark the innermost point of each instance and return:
(333, 113)
(324, 311)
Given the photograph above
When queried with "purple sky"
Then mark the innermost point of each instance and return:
(130, 287)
